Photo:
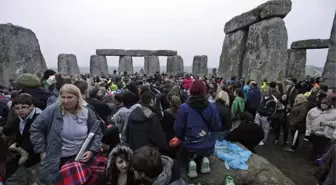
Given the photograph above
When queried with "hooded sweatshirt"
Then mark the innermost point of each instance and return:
(170, 174)
(238, 105)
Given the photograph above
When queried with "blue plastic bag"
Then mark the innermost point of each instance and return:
(234, 156)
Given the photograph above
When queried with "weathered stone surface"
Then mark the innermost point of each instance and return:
(98, 65)
(139, 53)
(296, 65)
(260, 172)
(232, 57)
(266, 50)
(329, 70)
(125, 64)
(273, 8)
(200, 65)
(175, 65)
(67, 65)
(152, 65)
(19, 53)
(164, 53)
(111, 52)
(214, 71)
(310, 44)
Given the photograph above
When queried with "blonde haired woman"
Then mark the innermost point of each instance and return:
(222, 102)
(60, 131)
(297, 120)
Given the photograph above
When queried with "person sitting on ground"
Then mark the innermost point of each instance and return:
(118, 170)
(195, 125)
(26, 114)
(152, 168)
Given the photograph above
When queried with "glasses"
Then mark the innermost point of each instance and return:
(21, 108)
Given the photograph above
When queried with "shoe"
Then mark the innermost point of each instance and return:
(276, 142)
(205, 166)
(229, 180)
(289, 149)
(261, 143)
(192, 169)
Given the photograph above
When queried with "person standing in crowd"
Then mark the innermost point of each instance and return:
(222, 102)
(237, 107)
(118, 170)
(246, 89)
(297, 120)
(45, 81)
(196, 122)
(320, 126)
(267, 109)
(150, 167)
(253, 99)
(186, 83)
(60, 131)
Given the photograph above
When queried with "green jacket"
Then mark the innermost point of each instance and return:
(238, 103)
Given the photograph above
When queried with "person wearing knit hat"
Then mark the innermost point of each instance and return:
(28, 80)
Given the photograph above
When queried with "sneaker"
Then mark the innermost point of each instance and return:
(276, 142)
(229, 180)
(205, 166)
(261, 143)
(192, 169)
(288, 149)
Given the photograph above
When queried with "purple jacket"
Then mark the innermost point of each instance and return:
(189, 125)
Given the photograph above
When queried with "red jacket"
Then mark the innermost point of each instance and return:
(186, 83)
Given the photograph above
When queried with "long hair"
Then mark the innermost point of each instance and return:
(223, 96)
(300, 98)
(174, 101)
(72, 89)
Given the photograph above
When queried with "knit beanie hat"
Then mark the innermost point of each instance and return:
(28, 80)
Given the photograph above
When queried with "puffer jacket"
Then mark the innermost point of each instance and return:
(45, 137)
(320, 122)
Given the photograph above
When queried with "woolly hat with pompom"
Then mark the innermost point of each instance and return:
(28, 80)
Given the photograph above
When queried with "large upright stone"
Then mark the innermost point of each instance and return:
(67, 65)
(329, 70)
(98, 65)
(266, 50)
(272, 8)
(125, 64)
(200, 65)
(296, 65)
(310, 44)
(175, 65)
(19, 53)
(152, 65)
(232, 57)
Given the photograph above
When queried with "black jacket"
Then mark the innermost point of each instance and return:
(23, 140)
(40, 96)
(167, 123)
(224, 115)
(268, 107)
(143, 128)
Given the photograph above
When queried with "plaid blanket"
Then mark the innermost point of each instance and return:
(78, 173)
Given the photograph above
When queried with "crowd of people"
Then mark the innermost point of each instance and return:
(136, 129)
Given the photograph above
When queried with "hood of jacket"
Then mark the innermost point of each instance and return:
(120, 148)
(166, 175)
(141, 114)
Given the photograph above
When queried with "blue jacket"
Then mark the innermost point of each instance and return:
(189, 125)
(246, 89)
(253, 98)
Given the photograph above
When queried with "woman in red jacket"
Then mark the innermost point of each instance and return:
(186, 83)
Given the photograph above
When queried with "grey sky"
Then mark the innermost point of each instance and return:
(191, 27)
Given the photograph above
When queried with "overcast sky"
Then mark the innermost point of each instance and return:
(192, 27)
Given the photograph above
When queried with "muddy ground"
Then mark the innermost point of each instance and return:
(294, 165)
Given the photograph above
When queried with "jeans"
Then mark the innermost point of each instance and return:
(265, 125)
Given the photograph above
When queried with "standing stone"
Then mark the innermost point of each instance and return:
(125, 65)
(214, 71)
(152, 65)
(67, 65)
(232, 57)
(19, 53)
(200, 65)
(329, 70)
(175, 65)
(98, 65)
(266, 50)
(296, 65)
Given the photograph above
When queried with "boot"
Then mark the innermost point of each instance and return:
(205, 166)
(192, 169)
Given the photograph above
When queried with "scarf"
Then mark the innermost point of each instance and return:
(198, 102)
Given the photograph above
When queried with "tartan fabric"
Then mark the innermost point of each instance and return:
(78, 173)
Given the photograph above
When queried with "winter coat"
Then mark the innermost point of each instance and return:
(195, 132)
(167, 123)
(143, 128)
(268, 107)
(276, 93)
(224, 115)
(40, 96)
(253, 98)
(45, 137)
(237, 107)
(120, 120)
(23, 140)
(170, 174)
(53, 97)
(297, 116)
(320, 122)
